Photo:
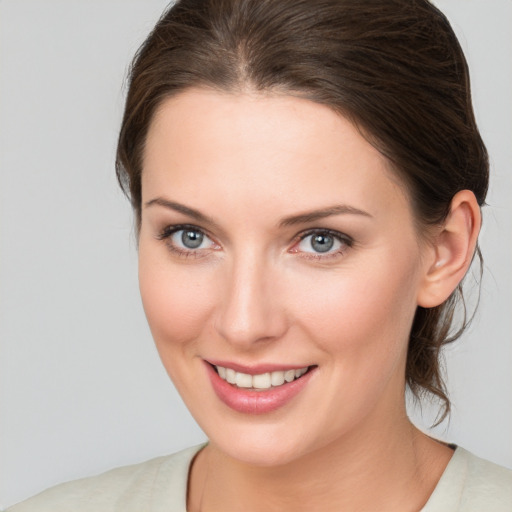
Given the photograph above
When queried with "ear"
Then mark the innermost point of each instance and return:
(452, 250)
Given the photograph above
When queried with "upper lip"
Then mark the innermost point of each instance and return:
(255, 369)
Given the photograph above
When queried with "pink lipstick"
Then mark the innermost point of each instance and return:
(287, 382)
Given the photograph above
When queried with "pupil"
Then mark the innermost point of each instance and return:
(192, 239)
(322, 243)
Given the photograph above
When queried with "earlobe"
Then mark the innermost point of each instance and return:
(453, 250)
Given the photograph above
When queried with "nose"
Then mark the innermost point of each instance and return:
(251, 310)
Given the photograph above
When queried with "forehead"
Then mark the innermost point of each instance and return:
(254, 148)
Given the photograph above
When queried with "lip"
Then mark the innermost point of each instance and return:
(254, 369)
(256, 402)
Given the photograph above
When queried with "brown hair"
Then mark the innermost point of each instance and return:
(393, 67)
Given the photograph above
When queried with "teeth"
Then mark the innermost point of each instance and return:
(289, 375)
(277, 378)
(230, 375)
(261, 381)
(243, 380)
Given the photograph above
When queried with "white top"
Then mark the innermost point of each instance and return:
(468, 484)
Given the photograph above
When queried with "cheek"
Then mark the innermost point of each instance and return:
(363, 313)
(176, 302)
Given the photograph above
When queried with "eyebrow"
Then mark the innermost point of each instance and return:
(181, 208)
(301, 218)
(315, 215)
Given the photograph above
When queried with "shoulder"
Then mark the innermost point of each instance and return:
(488, 486)
(157, 482)
(472, 484)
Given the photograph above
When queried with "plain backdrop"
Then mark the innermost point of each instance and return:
(81, 385)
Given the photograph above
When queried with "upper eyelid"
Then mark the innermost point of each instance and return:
(174, 228)
(337, 234)
(166, 233)
(169, 230)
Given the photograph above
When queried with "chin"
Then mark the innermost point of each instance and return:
(265, 442)
(259, 452)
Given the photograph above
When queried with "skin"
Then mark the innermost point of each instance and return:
(255, 293)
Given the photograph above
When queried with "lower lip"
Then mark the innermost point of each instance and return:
(256, 402)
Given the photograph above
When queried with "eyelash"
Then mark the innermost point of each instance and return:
(166, 234)
(346, 242)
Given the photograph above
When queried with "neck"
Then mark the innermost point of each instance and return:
(383, 466)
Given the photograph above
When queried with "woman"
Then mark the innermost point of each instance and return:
(307, 180)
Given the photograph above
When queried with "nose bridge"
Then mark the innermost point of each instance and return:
(250, 311)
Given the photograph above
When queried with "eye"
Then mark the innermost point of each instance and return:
(322, 243)
(187, 240)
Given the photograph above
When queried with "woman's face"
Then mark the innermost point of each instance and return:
(274, 238)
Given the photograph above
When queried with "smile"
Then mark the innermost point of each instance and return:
(261, 381)
(257, 393)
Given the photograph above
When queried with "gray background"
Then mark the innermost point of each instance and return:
(81, 386)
